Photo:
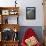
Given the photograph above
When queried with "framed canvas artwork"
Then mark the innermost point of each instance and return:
(30, 13)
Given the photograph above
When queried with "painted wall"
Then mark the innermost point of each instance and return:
(39, 13)
(22, 12)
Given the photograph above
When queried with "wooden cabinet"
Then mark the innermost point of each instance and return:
(6, 12)
(10, 43)
(7, 25)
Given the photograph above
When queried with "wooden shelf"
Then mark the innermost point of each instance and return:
(11, 26)
(4, 13)
(9, 43)
(9, 8)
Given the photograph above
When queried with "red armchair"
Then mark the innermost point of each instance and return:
(29, 36)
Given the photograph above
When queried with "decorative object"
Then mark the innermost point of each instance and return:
(6, 21)
(15, 3)
(30, 13)
(7, 34)
(15, 30)
(5, 12)
(13, 12)
(15, 34)
(15, 37)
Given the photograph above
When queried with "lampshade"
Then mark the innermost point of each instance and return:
(15, 30)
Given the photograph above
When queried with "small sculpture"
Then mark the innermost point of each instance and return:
(6, 21)
(15, 3)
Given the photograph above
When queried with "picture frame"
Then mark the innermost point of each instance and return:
(30, 13)
(5, 12)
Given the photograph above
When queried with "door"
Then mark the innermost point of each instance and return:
(44, 12)
(44, 6)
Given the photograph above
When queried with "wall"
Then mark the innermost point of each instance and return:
(22, 12)
(39, 13)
